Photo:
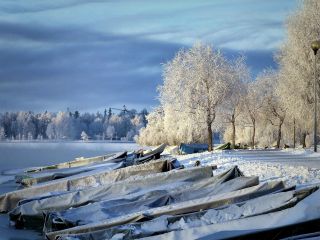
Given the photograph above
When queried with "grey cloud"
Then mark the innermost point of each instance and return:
(22, 6)
(82, 74)
(52, 68)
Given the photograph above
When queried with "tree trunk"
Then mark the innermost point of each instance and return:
(279, 134)
(303, 140)
(233, 132)
(253, 134)
(294, 133)
(210, 143)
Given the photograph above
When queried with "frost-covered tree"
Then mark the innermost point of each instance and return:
(26, 125)
(296, 60)
(153, 134)
(137, 122)
(68, 125)
(251, 104)
(274, 109)
(197, 81)
(263, 114)
(96, 127)
(63, 125)
(144, 114)
(84, 136)
(86, 120)
(43, 121)
(110, 132)
(230, 109)
(2, 133)
(51, 131)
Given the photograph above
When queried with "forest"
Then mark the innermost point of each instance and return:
(67, 125)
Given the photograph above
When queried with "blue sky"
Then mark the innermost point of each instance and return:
(91, 55)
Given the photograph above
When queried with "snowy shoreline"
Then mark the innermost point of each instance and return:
(294, 167)
(290, 166)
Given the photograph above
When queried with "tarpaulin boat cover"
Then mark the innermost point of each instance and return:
(226, 146)
(48, 175)
(78, 162)
(257, 206)
(103, 210)
(305, 210)
(177, 208)
(97, 177)
(192, 148)
(31, 211)
(111, 209)
(156, 150)
(144, 156)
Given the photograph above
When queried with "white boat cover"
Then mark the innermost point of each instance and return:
(48, 175)
(257, 206)
(93, 178)
(305, 210)
(108, 209)
(78, 162)
(31, 211)
(177, 208)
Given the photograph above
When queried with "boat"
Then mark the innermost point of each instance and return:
(48, 173)
(154, 199)
(139, 157)
(169, 223)
(30, 212)
(79, 162)
(109, 173)
(192, 148)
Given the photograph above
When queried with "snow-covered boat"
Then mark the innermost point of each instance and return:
(109, 173)
(30, 212)
(46, 174)
(193, 205)
(192, 148)
(63, 170)
(79, 162)
(110, 209)
(147, 155)
(160, 227)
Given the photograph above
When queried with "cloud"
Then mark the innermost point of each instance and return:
(88, 55)
(96, 71)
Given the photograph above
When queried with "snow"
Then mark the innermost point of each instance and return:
(154, 226)
(293, 167)
(4, 179)
(307, 209)
(118, 236)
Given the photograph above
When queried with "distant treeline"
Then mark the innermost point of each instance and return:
(72, 125)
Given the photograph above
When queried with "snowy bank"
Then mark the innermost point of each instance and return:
(293, 167)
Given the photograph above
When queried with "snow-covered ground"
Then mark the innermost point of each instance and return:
(296, 167)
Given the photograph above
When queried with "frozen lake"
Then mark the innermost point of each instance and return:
(15, 155)
(29, 154)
